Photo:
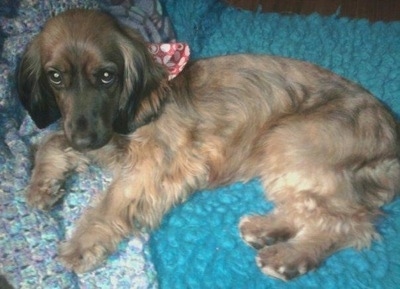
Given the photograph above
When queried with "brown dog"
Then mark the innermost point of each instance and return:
(326, 150)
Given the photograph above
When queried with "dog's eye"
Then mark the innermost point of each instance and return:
(107, 77)
(55, 77)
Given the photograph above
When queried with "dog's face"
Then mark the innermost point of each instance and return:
(97, 75)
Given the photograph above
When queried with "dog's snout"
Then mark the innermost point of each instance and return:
(85, 133)
(81, 133)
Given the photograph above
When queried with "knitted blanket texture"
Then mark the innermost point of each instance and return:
(198, 243)
(29, 238)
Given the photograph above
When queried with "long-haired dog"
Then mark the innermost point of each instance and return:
(326, 151)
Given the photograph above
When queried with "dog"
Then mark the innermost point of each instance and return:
(325, 150)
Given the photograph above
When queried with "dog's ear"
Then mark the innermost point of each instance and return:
(34, 90)
(144, 84)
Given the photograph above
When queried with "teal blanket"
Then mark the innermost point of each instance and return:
(198, 244)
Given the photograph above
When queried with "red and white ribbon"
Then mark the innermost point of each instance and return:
(173, 56)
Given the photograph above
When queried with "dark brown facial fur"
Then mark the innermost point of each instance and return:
(84, 75)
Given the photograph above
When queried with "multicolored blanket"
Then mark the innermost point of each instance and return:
(28, 238)
(198, 244)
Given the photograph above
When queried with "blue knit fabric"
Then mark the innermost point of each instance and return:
(28, 237)
(198, 243)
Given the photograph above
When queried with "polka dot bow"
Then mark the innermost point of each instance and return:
(173, 56)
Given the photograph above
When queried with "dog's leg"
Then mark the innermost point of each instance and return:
(327, 192)
(54, 159)
(140, 194)
(299, 234)
(100, 229)
(313, 237)
(126, 205)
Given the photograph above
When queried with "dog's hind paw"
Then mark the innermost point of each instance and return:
(262, 231)
(284, 262)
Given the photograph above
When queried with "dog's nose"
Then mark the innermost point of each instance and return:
(85, 134)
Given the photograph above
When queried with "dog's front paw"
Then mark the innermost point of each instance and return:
(82, 257)
(44, 193)
(283, 261)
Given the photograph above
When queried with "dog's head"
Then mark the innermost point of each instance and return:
(94, 73)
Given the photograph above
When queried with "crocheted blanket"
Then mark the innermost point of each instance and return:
(29, 238)
(198, 243)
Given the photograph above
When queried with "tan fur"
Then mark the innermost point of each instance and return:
(324, 148)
